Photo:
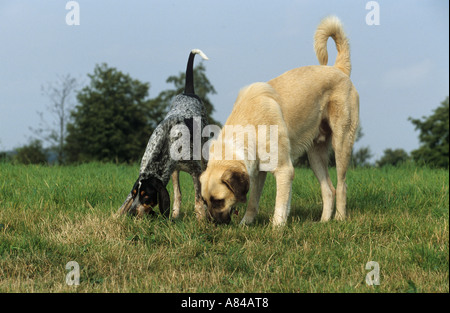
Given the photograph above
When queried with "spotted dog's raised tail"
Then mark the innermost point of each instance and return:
(332, 27)
(189, 85)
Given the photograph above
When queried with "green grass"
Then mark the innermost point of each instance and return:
(49, 216)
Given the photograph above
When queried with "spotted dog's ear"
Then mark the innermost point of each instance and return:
(163, 196)
(238, 182)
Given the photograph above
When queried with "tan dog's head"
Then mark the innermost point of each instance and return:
(222, 188)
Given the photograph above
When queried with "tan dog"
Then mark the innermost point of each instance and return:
(312, 107)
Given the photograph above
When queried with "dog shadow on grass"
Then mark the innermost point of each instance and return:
(302, 214)
(298, 214)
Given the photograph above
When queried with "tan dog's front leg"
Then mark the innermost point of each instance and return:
(256, 187)
(284, 177)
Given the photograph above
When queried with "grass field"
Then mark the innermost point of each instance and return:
(52, 215)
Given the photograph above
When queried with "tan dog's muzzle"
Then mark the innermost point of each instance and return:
(221, 217)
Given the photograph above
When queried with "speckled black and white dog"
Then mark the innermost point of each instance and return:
(158, 165)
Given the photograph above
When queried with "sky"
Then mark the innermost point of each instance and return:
(399, 67)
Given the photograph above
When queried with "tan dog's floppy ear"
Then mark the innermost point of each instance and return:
(239, 183)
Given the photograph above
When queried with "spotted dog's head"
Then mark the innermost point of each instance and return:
(146, 194)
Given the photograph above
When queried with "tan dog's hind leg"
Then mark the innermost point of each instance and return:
(176, 194)
(284, 177)
(318, 159)
(341, 190)
(342, 149)
(256, 187)
(344, 133)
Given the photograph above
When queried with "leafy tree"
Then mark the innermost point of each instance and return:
(202, 86)
(361, 157)
(33, 153)
(393, 157)
(434, 131)
(111, 121)
(5, 156)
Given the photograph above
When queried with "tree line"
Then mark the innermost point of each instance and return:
(114, 118)
(111, 122)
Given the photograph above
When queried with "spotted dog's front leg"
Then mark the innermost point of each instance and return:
(200, 210)
(176, 194)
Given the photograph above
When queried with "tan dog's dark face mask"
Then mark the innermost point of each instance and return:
(222, 190)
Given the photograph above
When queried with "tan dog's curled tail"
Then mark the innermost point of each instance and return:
(332, 27)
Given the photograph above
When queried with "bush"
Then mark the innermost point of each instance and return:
(33, 153)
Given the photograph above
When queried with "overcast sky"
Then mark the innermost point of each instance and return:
(400, 67)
